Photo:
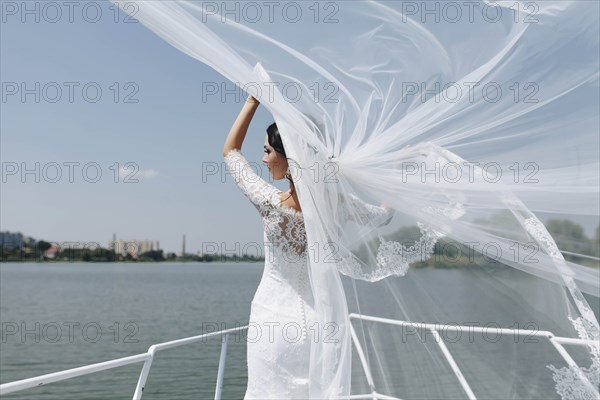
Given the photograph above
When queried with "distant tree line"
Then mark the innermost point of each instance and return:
(15, 247)
(569, 236)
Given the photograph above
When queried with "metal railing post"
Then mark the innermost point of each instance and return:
(363, 360)
(220, 374)
(453, 365)
(139, 389)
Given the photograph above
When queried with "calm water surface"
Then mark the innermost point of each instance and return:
(71, 314)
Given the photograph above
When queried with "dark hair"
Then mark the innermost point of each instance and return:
(275, 138)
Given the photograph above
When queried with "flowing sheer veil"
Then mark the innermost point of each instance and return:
(428, 140)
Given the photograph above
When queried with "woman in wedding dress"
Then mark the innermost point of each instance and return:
(278, 341)
(282, 323)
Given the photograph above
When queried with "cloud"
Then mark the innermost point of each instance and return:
(131, 172)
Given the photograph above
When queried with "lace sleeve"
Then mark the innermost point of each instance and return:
(256, 189)
(354, 208)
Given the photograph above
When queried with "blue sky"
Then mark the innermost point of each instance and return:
(169, 133)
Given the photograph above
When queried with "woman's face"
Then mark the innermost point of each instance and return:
(274, 161)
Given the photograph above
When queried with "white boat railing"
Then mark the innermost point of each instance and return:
(148, 357)
(556, 341)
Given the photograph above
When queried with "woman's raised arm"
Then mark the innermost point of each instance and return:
(237, 133)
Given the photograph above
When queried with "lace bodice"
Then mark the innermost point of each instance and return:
(284, 226)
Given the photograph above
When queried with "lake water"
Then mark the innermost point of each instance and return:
(135, 306)
(107, 311)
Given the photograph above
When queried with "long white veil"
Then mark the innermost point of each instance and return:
(467, 121)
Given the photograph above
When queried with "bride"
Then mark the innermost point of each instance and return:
(282, 319)
(278, 344)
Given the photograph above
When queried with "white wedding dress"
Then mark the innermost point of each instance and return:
(282, 320)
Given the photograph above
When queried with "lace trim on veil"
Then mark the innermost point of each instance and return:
(572, 381)
(393, 258)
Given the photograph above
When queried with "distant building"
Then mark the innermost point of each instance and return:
(52, 252)
(9, 240)
(133, 247)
